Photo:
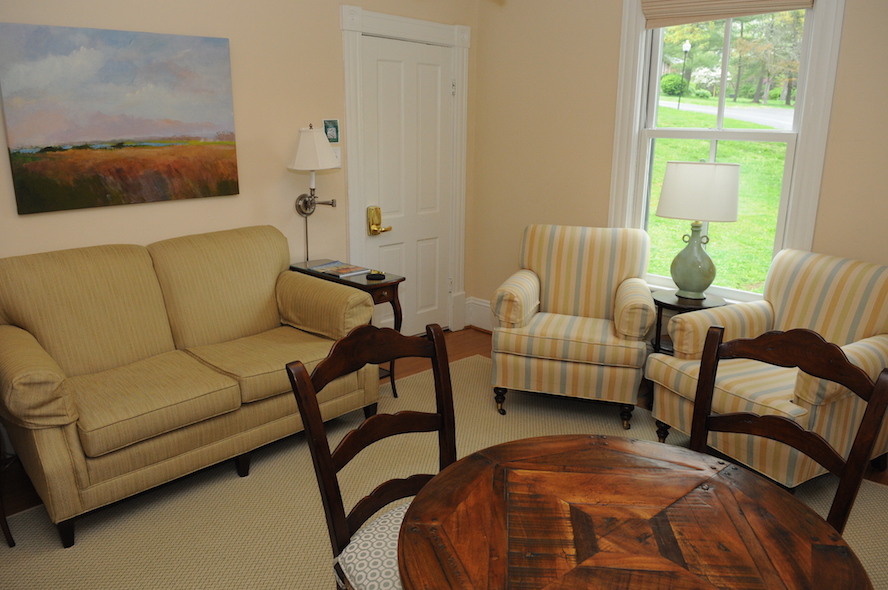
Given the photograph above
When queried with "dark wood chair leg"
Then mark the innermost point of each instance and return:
(880, 463)
(242, 463)
(626, 415)
(66, 532)
(499, 394)
(370, 410)
(662, 431)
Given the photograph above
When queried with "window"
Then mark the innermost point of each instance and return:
(727, 90)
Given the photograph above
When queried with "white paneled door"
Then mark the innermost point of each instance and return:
(407, 139)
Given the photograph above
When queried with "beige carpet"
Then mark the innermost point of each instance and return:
(216, 530)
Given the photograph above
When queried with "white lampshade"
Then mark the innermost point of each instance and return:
(314, 151)
(700, 191)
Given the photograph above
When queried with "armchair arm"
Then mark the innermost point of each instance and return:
(517, 299)
(634, 310)
(870, 354)
(321, 307)
(32, 394)
(741, 320)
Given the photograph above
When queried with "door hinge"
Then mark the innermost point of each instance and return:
(450, 285)
(453, 87)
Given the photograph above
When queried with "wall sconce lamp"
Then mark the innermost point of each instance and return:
(698, 191)
(313, 153)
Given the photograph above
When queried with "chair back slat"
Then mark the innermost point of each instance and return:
(371, 345)
(810, 353)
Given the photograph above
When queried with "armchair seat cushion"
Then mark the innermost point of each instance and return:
(120, 407)
(571, 339)
(742, 386)
(256, 362)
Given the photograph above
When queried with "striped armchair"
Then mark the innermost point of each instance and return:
(846, 301)
(572, 321)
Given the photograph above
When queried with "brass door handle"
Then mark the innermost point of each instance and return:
(374, 222)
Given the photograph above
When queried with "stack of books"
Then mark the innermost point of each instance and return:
(340, 269)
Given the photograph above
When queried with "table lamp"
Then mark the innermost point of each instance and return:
(698, 191)
(313, 153)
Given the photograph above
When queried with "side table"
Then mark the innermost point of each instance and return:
(668, 300)
(382, 291)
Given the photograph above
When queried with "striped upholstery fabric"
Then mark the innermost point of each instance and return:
(843, 300)
(572, 321)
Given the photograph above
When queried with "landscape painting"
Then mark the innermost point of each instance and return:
(97, 117)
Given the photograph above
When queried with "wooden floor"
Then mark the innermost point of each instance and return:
(18, 494)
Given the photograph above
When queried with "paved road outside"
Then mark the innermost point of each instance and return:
(770, 116)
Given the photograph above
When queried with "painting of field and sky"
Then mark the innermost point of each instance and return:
(96, 117)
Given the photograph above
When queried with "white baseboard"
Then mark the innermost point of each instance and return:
(478, 313)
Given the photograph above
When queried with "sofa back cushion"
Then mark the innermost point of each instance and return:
(580, 268)
(220, 286)
(91, 309)
(841, 299)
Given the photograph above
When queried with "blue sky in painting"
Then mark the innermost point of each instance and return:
(63, 85)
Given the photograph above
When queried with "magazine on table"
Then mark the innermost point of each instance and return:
(340, 269)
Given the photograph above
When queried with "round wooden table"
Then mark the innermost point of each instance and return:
(606, 512)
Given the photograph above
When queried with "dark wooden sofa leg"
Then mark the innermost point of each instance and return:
(662, 431)
(242, 463)
(499, 394)
(370, 410)
(66, 532)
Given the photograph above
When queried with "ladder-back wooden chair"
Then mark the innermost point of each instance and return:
(351, 546)
(808, 351)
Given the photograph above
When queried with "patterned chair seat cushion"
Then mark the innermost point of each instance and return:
(741, 386)
(571, 338)
(370, 561)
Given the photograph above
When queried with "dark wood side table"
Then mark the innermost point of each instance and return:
(382, 291)
(668, 300)
(3, 524)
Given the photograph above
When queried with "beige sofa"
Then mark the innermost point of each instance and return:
(123, 367)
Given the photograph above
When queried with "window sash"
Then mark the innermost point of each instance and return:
(667, 13)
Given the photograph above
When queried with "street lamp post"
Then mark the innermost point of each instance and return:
(686, 46)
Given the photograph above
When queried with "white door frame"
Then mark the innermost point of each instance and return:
(355, 23)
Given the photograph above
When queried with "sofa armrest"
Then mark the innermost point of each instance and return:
(321, 307)
(740, 320)
(516, 300)
(634, 310)
(32, 394)
(870, 354)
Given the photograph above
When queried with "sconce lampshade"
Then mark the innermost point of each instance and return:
(698, 191)
(314, 151)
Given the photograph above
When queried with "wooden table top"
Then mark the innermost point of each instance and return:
(579, 511)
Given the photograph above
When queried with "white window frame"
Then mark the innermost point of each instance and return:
(798, 207)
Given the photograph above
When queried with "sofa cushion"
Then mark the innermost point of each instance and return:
(91, 309)
(220, 286)
(741, 385)
(258, 362)
(570, 338)
(128, 404)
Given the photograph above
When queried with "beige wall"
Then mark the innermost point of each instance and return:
(287, 72)
(541, 106)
